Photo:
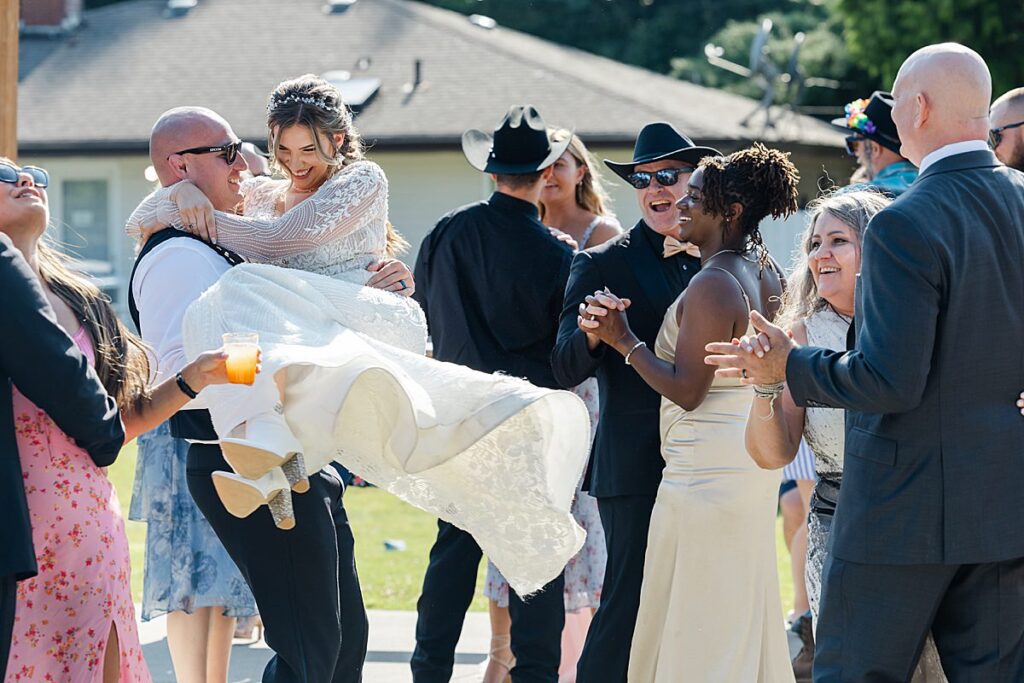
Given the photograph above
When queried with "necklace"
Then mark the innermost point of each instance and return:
(725, 251)
(845, 319)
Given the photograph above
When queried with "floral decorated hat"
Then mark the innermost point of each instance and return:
(872, 119)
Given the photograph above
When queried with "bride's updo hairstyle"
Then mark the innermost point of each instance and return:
(760, 178)
(312, 102)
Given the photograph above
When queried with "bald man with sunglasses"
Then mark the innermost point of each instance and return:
(1006, 132)
(650, 267)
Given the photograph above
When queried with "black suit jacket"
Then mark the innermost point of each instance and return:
(934, 468)
(38, 357)
(626, 455)
(490, 278)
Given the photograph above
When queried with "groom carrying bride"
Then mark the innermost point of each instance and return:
(304, 580)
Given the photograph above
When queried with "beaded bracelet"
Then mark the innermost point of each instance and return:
(770, 392)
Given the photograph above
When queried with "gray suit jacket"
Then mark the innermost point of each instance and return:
(934, 469)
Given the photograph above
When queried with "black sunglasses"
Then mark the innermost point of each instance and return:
(851, 142)
(995, 136)
(666, 177)
(228, 151)
(9, 173)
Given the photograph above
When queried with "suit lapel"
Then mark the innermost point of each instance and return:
(646, 267)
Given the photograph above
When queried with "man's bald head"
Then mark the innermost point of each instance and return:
(941, 96)
(183, 128)
(1007, 111)
(196, 128)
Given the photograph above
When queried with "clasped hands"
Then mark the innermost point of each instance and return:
(753, 359)
(602, 317)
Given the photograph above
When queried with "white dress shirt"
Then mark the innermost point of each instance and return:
(952, 149)
(169, 278)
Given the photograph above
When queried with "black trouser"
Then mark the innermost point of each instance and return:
(304, 580)
(8, 599)
(626, 521)
(448, 589)
(874, 619)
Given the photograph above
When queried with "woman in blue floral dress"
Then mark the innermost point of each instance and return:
(188, 574)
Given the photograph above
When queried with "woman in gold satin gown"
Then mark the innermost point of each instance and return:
(709, 606)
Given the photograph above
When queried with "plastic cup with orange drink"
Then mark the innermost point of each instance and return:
(243, 353)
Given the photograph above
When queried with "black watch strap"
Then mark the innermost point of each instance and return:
(183, 385)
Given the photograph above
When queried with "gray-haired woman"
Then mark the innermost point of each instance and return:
(818, 310)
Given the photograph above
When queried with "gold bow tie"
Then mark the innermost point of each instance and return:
(674, 246)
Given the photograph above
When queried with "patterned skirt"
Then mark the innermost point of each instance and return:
(199, 572)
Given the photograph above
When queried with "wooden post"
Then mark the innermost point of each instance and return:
(9, 78)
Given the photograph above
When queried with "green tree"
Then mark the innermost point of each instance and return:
(880, 34)
(822, 55)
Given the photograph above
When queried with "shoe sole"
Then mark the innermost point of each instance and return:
(249, 461)
(242, 499)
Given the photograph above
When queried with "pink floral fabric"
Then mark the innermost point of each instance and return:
(64, 615)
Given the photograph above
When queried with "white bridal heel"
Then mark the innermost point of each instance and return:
(263, 443)
(241, 497)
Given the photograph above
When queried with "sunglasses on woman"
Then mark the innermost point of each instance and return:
(228, 152)
(9, 173)
(666, 177)
(995, 136)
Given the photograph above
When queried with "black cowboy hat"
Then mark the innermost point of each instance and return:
(658, 141)
(872, 119)
(520, 144)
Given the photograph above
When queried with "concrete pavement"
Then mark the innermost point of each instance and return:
(387, 657)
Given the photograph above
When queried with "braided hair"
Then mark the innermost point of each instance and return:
(760, 178)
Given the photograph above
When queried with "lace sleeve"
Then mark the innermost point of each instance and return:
(343, 205)
(148, 212)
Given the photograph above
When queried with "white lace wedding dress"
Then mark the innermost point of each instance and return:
(491, 454)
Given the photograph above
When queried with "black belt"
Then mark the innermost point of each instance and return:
(825, 496)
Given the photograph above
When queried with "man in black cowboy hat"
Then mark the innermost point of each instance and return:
(650, 267)
(874, 141)
(489, 278)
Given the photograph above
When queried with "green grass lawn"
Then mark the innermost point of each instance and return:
(390, 579)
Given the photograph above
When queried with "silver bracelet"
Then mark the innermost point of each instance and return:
(635, 347)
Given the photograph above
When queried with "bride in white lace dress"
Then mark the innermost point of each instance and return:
(818, 308)
(344, 373)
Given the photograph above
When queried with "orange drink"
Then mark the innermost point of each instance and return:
(242, 349)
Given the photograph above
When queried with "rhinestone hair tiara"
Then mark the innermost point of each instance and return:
(318, 102)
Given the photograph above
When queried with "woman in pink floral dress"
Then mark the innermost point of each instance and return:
(74, 621)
